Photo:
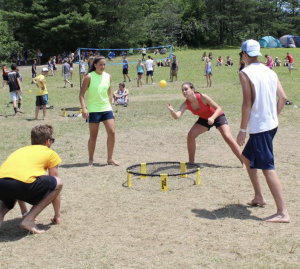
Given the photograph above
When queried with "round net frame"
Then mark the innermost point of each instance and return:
(163, 170)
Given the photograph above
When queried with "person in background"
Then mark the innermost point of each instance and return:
(125, 69)
(42, 93)
(220, 61)
(15, 88)
(174, 68)
(140, 68)
(208, 72)
(33, 71)
(4, 75)
(121, 95)
(269, 61)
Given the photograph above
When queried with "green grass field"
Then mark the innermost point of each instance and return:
(107, 225)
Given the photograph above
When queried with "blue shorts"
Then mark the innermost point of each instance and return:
(96, 117)
(149, 73)
(259, 150)
(219, 121)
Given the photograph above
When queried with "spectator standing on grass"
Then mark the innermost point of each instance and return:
(144, 51)
(208, 72)
(290, 60)
(33, 71)
(66, 73)
(71, 59)
(28, 183)
(50, 65)
(150, 69)
(140, 72)
(4, 75)
(15, 88)
(125, 68)
(174, 68)
(41, 94)
(263, 100)
(99, 107)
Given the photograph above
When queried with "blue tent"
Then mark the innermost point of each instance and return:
(290, 41)
(269, 42)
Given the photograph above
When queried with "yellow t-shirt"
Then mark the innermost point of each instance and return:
(39, 91)
(27, 163)
(98, 99)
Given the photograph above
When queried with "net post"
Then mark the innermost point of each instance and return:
(143, 170)
(198, 177)
(164, 182)
(183, 169)
(64, 112)
(128, 179)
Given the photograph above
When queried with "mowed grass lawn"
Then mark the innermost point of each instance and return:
(107, 225)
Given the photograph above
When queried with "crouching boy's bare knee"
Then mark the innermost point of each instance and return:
(59, 183)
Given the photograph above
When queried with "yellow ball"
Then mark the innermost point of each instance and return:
(30, 91)
(162, 83)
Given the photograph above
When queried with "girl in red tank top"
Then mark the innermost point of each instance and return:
(210, 114)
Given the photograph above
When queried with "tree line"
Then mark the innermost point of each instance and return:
(54, 26)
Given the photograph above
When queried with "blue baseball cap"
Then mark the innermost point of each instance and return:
(251, 47)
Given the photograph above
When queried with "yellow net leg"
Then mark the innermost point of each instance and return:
(198, 177)
(164, 182)
(128, 179)
(183, 169)
(143, 170)
(64, 113)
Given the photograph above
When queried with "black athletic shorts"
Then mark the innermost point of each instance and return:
(125, 71)
(12, 190)
(41, 100)
(219, 121)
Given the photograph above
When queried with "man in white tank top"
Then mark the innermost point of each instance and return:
(260, 108)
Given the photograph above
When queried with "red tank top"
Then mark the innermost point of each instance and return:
(204, 111)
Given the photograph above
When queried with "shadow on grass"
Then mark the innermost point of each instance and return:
(72, 165)
(233, 211)
(11, 230)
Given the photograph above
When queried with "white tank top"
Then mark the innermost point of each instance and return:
(263, 114)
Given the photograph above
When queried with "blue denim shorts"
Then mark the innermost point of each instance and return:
(96, 117)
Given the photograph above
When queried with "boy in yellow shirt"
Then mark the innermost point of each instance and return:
(42, 93)
(27, 181)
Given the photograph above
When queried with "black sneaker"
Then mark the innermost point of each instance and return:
(125, 105)
(71, 85)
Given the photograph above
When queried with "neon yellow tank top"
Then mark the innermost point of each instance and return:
(98, 99)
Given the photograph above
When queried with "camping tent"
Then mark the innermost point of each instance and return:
(269, 42)
(290, 41)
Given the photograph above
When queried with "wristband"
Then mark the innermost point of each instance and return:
(243, 130)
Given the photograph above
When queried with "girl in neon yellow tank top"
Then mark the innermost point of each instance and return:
(98, 85)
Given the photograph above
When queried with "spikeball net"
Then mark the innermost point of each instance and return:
(172, 175)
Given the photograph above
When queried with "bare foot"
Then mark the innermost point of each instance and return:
(31, 227)
(55, 220)
(91, 163)
(113, 162)
(257, 202)
(278, 218)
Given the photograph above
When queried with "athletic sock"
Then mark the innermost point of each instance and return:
(15, 109)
